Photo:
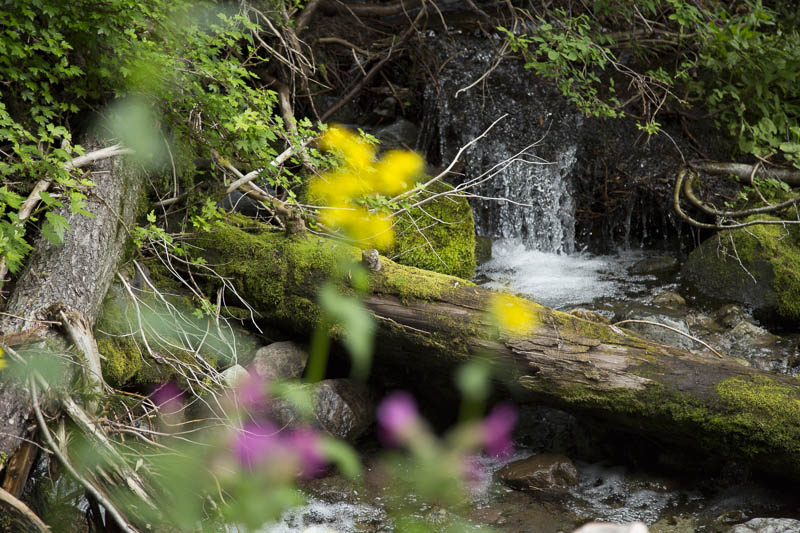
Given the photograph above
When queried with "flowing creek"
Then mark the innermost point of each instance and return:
(614, 485)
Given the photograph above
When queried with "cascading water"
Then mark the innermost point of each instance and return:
(540, 210)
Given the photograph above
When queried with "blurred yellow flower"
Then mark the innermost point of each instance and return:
(360, 177)
(396, 171)
(3, 362)
(514, 315)
(357, 153)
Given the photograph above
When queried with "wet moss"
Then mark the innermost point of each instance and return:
(439, 236)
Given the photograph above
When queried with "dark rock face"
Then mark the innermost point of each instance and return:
(655, 265)
(280, 360)
(546, 471)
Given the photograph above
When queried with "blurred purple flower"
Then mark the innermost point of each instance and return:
(168, 398)
(254, 442)
(496, 430)
(305, 444)
(251, 391)
(397, 413)
(476, 476)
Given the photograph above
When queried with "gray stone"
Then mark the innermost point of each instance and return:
(545, 471)
(231, 376)
(664, 335)
(340, 407)
(768, 525)
(280, 360)
(669, 299)
(588, 314)
(655, 265)
(399, 134)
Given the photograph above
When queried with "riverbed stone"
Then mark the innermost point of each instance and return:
(280, 360)
(655, 265)
(340, 407)
(667, 317)
(669, 299)
(768, 525)
(602, 527)
(588, 314)
(545, 471)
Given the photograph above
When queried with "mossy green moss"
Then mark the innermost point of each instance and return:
(757, 266)
(438, 236)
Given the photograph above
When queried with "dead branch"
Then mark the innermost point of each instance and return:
(681, 187)
(33, 522)
(80, 333)
(743, 171)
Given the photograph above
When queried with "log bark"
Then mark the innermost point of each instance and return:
(74, 274)
(608, 373)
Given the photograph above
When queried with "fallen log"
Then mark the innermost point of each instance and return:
(717, 405)
(67, 282)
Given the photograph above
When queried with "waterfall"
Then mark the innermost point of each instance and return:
(535, 112)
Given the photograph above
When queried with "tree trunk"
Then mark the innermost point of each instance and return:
(75, 274)
(429, 321)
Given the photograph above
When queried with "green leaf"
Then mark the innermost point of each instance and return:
(343, 456)
(54, 228)
(350, 314)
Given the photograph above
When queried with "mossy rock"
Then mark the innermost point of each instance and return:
(757, 266)
(438, 236)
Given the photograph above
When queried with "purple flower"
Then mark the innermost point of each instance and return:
(254, 442)
(304, 443)
(168, 398)
(397, 414)
(251, 391)
(496, 429)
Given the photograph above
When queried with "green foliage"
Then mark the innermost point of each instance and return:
(741, 63)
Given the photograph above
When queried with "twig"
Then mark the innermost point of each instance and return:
(105, 502)
(33, 520)
(651, 323)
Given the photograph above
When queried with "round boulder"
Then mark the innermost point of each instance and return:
(280, 360)
(545, 471)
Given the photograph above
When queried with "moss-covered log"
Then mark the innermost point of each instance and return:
(718, 405)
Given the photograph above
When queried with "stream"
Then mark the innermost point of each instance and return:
(618, 482)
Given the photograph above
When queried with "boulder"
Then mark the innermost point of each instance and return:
(755, 266)
(233, 375)
(654, 265)
(280, 360)
(545, 472)
(340, 407)
(669, 299)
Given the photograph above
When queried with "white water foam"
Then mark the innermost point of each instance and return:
(558, 280)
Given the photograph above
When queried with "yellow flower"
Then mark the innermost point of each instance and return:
(395, 172)
(373, 230)
(514, 315)
(3, 362)
(357, 153)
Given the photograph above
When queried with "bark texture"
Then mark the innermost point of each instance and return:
(76, 274)
(430, 321)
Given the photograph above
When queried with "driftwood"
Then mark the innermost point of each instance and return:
(427, 320)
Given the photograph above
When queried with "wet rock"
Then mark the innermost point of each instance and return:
(546, 471)
(669, 299)
(665, 335)
(340, 408)
(768, 525)
(600, 527)
(752, 336)
(399, 134)
(730, 315)
(654, 265)
(542, 428)
(280, 360)
(588, 314)
(483, 249)
(231, 376)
